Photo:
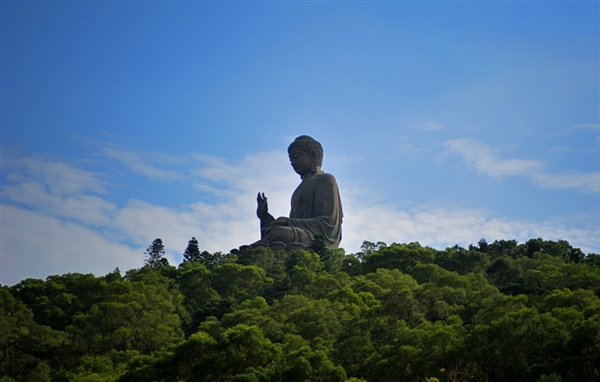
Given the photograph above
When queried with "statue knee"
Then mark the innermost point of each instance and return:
(282, 233)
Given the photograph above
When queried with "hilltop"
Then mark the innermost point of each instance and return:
(401, 312)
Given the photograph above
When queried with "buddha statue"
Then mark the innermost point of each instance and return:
(316, 208)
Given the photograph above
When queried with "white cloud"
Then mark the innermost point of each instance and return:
(442, 227)
(485, 159)
(48, 228)
(588, 182)
(141, 163)
(88, 209)
(34, 244)
(57, 189)
(68, 215)
(271, 169)
(59, 178)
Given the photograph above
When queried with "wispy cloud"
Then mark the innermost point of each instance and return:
(254, 172)
(77, 228)
(143, 163)
(57, 189)
(35, 244)
(78, 209)
(589, 182)
(60, 178)
(441, 227)
(487, 160)
(425, 125)
(587, 126)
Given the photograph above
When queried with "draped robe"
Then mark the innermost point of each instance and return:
(317, 209)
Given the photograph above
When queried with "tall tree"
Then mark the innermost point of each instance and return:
(192, 252)
(155, 254)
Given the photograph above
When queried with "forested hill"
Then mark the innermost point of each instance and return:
(490, 312)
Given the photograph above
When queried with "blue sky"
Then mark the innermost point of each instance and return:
(443, 122)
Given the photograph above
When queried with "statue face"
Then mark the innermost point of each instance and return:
(301, 161)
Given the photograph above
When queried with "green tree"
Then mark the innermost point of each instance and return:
(353, 352)
(142, 312)
(200, 299)
(236, 283)
(105, 368)
(255, 312)
(525, 345)
(398, 256)
(504, 273)
(305, 364)
(41, 373)
(24, 344)
(274, 264)
(334, 259)
(483, 246)
(351, 265)
(462, 261)
(240, 353)
(592, 259)
(368, 248)
(155, 254)
(331, 258)
(582, 360)
(192, 251)
(318, 245)
(502, 247)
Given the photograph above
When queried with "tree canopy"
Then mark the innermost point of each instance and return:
(400, 312)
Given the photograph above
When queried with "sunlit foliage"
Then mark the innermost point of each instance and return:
(500, 311)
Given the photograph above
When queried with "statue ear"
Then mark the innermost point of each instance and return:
(313, 166)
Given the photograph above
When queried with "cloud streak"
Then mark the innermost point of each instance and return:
(487, 160)
(36, 244)
(442, 227)
(589, 182)
(587, 126)
(425, 125)
(142, 163)
(50, 227)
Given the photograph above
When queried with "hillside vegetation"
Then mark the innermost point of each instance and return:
(491, 312)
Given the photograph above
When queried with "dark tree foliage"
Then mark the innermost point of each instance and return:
(463, 261)
(398, 256)
(483, 246)
(213, 260)
(502, 247)
(333, 259)
(351, 265)
(155, 254)
(192, 251)
(499, 311)
(367, 248)
(592, 259)
(318, 245)
(24, 344)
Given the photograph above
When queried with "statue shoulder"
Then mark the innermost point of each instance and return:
(326, 178)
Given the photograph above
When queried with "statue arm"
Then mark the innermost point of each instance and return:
(262, 211)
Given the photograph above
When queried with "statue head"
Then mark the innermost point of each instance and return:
(309, 146)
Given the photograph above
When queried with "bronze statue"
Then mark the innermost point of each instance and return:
(316, 205)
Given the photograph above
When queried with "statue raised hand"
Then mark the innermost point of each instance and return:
(262, 211)
(316, 205)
